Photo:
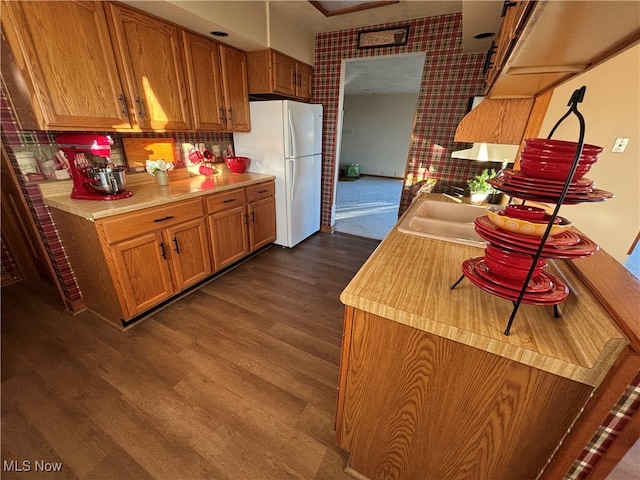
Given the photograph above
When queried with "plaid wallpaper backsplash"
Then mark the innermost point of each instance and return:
(449, 79)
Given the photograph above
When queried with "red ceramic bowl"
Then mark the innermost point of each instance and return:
(553, 171)
(539, 157)
(560, 146)
(511, 266)
(237, 164)
(524, 212)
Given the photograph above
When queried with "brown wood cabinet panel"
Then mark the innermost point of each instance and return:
(143, 272)
(68, 74)
(260, 191)
(204, 71)
(421, 406)
(228, 231)
(128, 225)
(262, 223)
(274, 74)
(284, 74)
(150, 53)
(304, 75)
(190, 261)
(236, 88)
(225, 200)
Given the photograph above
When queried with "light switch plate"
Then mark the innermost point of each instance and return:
(620, 145)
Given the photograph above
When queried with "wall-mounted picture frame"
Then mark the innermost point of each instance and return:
(385, 37)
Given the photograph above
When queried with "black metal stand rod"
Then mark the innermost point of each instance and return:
(457, 282)
(576, 97)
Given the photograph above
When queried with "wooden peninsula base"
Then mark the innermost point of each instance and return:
(414, 405)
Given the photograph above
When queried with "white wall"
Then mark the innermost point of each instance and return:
(377, 132)
(611, 109)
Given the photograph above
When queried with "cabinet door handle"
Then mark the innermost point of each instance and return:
(246, 219)
(222, 115)
(490, 53)
(169, 217)
(299, 79)
(175, 242)
(162, 252)
(123, 104)
(230, 114)
(294, 79)
(140, 107)
(253, 217)
(229, 200)
(506, 5)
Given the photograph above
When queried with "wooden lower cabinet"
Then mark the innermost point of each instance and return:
(241, 222)
(127, 264)
(153, 267)
(413, 405)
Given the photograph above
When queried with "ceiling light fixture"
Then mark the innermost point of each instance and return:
(217, 33)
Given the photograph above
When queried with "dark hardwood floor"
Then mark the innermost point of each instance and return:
(235, 381)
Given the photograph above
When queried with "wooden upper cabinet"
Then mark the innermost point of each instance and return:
(304, 74)
(64, 70)
(272, 73)
(218, 84)
(236, 88)
(151, 59)
(205, 82)
(285, 79)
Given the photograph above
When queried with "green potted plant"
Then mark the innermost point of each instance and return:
(479, 188)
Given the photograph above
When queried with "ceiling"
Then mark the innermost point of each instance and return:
(365, 78)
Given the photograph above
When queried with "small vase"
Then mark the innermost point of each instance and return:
(163, 178)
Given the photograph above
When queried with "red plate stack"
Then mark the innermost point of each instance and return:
(545, 165)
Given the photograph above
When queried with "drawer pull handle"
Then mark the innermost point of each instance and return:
(263, 191)
(163, 253)
(229, 200)
(177, 249)
(163, 219)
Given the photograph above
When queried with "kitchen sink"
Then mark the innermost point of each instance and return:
(451, 222)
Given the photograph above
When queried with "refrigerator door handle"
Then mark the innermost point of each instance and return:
(292, 136)
(293, 180)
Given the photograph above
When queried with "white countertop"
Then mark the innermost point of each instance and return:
(146, 192)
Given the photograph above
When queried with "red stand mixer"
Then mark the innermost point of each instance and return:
(91, 182)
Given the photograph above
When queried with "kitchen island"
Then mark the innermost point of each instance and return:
(430, 387)
(133, 255)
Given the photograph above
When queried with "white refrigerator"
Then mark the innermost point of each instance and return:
(286, 141)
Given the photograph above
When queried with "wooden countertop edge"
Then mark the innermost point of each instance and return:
(617, 290)
(592, 376)
(52, 196)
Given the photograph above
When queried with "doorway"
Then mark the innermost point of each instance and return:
(378, 101)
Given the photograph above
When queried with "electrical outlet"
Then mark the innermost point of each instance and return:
(620, 145)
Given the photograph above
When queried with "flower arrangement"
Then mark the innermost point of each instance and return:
(155, 166)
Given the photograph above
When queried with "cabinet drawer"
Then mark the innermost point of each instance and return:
(148, 220)
(260, 191)
(222, 201)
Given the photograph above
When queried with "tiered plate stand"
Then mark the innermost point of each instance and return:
(544, 248)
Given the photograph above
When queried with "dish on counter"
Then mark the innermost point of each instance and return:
(538, 284)
(548, 195)
(558, 293)
(579, 246)
(498, 216)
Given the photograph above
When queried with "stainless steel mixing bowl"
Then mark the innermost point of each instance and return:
(109, 180)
